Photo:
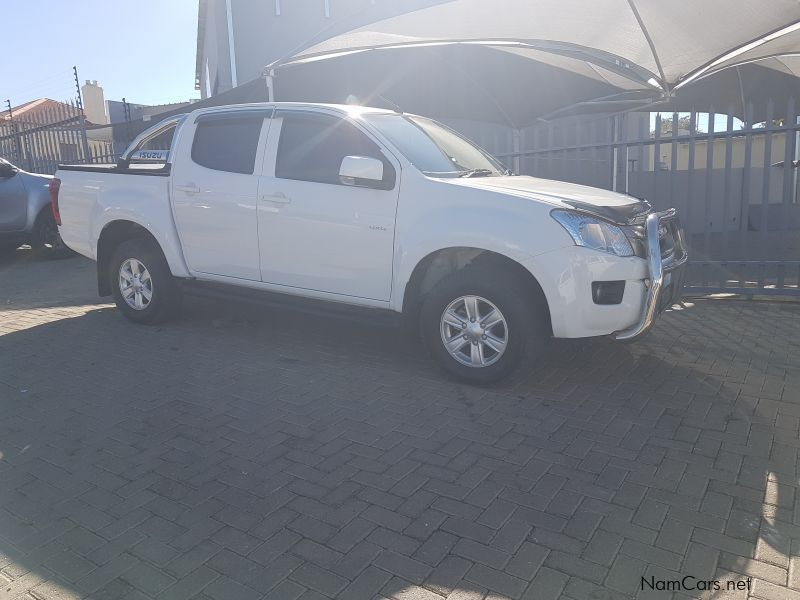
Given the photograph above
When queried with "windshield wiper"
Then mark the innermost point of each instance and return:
(476, 173)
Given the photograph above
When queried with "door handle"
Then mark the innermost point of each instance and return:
(189, 188)
(276, 198)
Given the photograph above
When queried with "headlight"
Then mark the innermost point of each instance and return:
(593, 233)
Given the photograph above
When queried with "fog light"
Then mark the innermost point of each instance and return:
(608, 292)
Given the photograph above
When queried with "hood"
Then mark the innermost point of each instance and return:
(619, 208)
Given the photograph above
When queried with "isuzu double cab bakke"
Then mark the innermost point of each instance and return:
(373, 209)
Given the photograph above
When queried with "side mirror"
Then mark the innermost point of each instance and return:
(7, 170)
(361, 171)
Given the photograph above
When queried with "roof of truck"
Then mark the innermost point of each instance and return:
(350, 109)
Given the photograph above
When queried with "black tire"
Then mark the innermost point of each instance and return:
(165, 295)
(45, 236)
(526, 331)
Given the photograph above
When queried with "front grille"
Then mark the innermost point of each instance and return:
(666, 240)
(667, 235)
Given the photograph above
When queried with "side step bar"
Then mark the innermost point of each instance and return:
(308, 306)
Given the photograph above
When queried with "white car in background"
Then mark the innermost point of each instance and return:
(375, 210)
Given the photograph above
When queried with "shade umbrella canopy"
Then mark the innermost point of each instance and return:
(456, 81)
(662, 44)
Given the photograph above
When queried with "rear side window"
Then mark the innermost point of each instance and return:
(311, 148)
(227, 144)
(163, 141)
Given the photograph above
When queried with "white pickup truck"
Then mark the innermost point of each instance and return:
(373, 209)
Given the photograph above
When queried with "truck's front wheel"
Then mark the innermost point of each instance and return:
(478, 325)
(143, 287)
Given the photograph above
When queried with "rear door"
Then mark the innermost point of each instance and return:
(214, 191)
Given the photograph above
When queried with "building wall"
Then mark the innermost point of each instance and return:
(215, 76)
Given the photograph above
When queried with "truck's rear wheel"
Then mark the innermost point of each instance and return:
(478, 325)
(143, 287)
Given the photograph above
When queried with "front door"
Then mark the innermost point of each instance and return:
(214, 193)
(316, 232)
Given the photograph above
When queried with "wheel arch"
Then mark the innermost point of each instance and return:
(436, 265)
(41, 213)
(112, 235)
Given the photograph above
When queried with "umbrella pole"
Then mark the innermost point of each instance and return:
(270, 80)
(614, 151)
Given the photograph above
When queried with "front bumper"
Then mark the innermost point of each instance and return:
(665, 277)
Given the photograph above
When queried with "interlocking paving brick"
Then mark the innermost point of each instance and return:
(190, 585)
(547, 585)
(286, 590)
(757, 569)
(224, 588)
(435, 548)
(104, 575)
(367, 584)
(481, 553)
(319, 579)
(496, 580)
(625, 574)
(527, 561)
(603, 547)
(578, 567)
(446, 576)
(403, 566)
(69, 565)
(674, 535)
(148, 578)
(511, 535)
(256, 459)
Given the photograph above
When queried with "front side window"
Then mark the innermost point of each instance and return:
(312, 147)
(227, 144)
(433, 148)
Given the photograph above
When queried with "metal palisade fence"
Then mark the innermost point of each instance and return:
(735, 183)
(56, 133)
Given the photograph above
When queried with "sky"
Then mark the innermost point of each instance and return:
(143, 51)
(720, 121)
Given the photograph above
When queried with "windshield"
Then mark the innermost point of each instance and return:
(434, 149)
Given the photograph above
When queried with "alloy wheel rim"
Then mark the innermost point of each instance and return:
(135, 284)
(474, 331)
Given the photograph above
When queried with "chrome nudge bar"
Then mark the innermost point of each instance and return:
(656, 269)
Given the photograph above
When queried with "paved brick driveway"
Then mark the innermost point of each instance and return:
(242, 454)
